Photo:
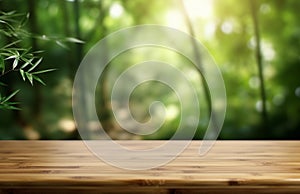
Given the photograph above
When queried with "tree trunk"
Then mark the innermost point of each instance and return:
(197, 56)
(38, 99)
(258, 55)
(67, 32)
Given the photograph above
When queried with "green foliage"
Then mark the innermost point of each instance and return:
(6, 104)
(12, 24)
(16, 59)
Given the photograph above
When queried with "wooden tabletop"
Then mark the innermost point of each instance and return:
(230, 166)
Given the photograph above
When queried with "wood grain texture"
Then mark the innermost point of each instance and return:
(229, 167)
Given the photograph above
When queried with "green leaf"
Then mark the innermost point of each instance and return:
(61, 44)
(22, 74)
(42, 71)
(27, 63)
(8, 13)
(11, 57)
(10, 96)
(38, 52)
(10, 44)
(75, 40)
(13, 108)
(15, 64)
(2, 64)
(24, 20)
(29, 77)
(35, 65)
(9, 106)
(38, 79)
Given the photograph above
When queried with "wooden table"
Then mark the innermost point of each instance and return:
(230, 167)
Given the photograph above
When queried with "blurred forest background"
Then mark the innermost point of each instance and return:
(235, 33)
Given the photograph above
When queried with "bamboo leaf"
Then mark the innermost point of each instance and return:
(61, 44)
(11, 57)
(75, 40)
(2, 64)
(15, 64)
(10, 44)
(22, 74)
(29, 77)
(8, 13)
(37, 52)
(9, 106)
(38, 79)
(13, 108)
(35, 65)
(27, 63)
(10, 96)
(42, 71)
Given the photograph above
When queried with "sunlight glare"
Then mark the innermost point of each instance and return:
(268, 51)
(199, 8)
(195, 8)
(67, 125)
(174, 19)
(227, 27)
(209, 30)
(258, 106)
(254, 82)
(116, 10)
(172, 112)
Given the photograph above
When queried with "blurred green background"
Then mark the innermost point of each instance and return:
(227, 28)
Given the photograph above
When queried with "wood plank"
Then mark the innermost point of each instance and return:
(230, 166)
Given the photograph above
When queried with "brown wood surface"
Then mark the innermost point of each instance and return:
(229, 167)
